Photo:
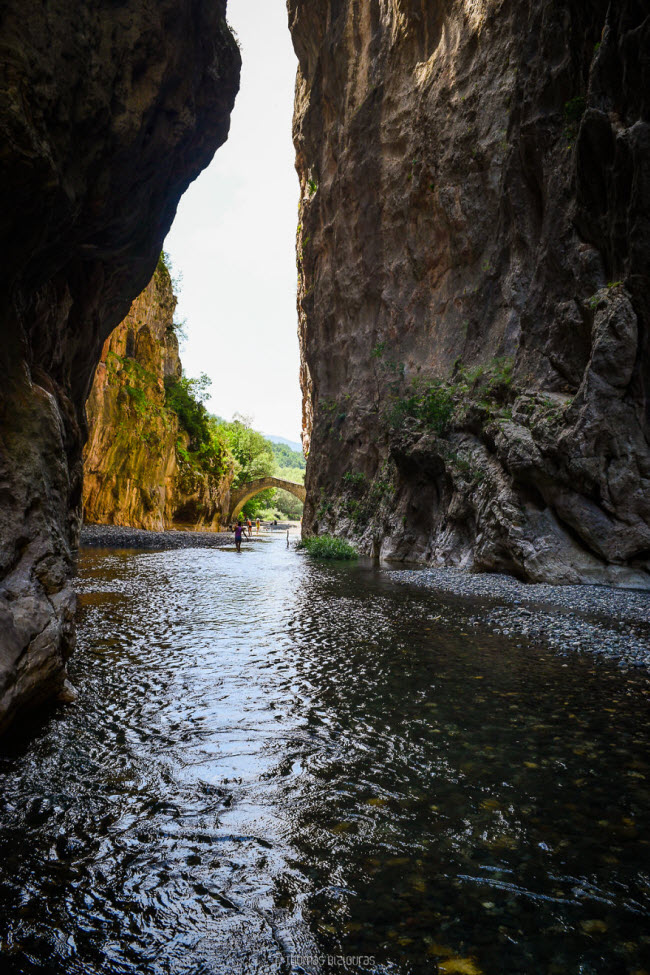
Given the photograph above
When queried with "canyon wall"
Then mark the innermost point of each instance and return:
(473, 254)
(108, 110)
(139, 470)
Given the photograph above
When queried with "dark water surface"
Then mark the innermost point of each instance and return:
(272, 761)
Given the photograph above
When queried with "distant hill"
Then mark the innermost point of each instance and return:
(292, 444)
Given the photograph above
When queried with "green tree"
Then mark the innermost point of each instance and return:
(288, 505)
(261, 502)
(295, 474)
(286, 457)
(185, 397)
(252, 452)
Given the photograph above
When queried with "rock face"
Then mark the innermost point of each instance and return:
(138, 471)
(474, 301)
(108, 110)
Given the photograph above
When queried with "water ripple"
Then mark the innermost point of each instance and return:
(273, 760)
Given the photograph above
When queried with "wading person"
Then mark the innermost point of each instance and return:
(239, 528)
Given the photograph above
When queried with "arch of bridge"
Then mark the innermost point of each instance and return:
(243, 494)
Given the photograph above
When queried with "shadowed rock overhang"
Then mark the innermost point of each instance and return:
(107, 113)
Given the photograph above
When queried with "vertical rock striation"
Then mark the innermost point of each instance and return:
(138, 470)
(130, 456)
(108, 111)
(473, 252)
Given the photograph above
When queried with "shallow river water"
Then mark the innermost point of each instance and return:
(276, 765)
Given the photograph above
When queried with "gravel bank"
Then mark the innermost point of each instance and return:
(592, 619)
(115, 536)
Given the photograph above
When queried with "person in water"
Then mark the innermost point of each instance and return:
(257, 526)
(239, 529)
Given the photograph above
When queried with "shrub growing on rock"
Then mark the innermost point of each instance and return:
(328, 547)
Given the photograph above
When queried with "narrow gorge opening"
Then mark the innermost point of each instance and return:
(272, 757)
(197, 397)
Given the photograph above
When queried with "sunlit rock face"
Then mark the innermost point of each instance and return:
(108, 110)
(137, 467)
(475, 190)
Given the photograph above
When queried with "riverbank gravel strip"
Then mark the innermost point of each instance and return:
(611, 622)
(115, 536)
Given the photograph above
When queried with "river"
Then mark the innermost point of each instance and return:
(277, 765)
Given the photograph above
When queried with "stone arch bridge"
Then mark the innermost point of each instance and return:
(243, 494)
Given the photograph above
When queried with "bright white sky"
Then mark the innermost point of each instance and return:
(233, 239)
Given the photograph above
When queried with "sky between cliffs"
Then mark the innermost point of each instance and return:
(233, 239)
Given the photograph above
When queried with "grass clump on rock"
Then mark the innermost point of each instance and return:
(328, 547)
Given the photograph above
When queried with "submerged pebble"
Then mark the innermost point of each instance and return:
(613, 623)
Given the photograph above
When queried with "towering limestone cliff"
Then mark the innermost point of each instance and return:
(474, 295)
(108, 110)
(139, 469)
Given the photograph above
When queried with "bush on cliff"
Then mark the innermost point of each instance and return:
(184, 397)
(328, 547)
(205, 450)
(429, 402)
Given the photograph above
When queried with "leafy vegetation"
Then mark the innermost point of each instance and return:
(491, 382)
(291, 467)
(574, 109)
(430, 402)
(354, 479)
(479, 395)
(286, 507)
(328, 547)
(204, 451)
(216, 445)
(255, 457)
(138, 401)
(171, 282)
(295, 474)
(185, 397)
(164, 265)
(289, 505)
(252, 456)
(139, 398)
(595, 299)
(435, 404)
(205, 444)
(252, 452)
(260, 503)
(288, 458)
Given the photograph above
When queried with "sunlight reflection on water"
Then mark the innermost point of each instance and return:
(273, 760)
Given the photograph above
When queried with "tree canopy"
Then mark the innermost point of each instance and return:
(252, 454)
(288, 458)
(236, 442)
